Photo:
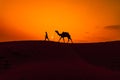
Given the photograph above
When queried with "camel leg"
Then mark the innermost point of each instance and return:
(63, 39)
(59, 39)
(68, 40)
(71, 41)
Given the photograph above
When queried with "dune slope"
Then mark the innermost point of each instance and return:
(35, 60)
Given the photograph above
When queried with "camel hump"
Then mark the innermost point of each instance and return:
(65, 32)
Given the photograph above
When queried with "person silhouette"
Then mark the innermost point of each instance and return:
(46, 36)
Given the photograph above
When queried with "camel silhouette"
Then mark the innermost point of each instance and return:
(63, 35)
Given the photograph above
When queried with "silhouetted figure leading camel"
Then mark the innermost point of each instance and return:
(63, 35)
(46, 36)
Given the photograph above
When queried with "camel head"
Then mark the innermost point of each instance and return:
(56, 30)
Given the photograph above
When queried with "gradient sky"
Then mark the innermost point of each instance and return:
(85, 20)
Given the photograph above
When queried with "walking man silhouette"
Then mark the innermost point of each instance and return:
(46, 36)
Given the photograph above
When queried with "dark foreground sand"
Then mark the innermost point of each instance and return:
(40, 60)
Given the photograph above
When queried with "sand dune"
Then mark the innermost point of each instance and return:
(36, 60)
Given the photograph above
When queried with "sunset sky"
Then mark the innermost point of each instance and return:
(85, 20)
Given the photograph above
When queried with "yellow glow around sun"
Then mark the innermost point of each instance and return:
(52, 37)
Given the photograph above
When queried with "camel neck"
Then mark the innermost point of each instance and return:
(58, 33)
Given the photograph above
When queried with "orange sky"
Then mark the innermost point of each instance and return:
(85, 20)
